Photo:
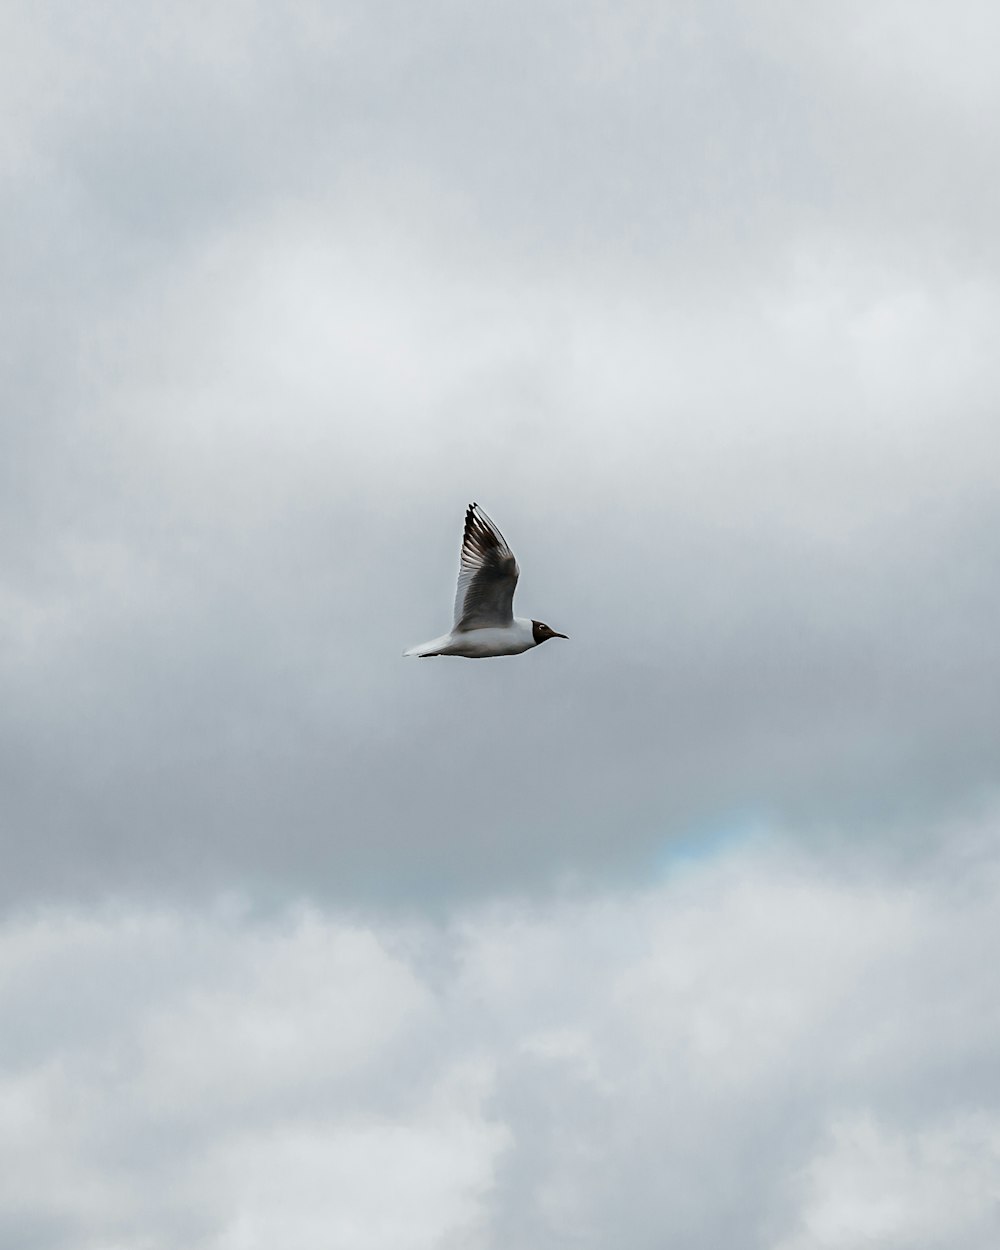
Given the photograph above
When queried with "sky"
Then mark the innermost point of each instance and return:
(675, 933)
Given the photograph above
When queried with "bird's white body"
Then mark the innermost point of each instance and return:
(485, 623)
(478, 644)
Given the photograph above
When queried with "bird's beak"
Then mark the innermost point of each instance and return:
(555, 635)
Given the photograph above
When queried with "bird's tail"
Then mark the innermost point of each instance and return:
(426, 649)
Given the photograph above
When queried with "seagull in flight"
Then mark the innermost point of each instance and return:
(485, 623)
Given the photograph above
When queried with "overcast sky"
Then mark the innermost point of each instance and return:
(678, 932)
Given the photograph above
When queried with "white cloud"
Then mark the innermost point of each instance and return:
(779, 1049)
(387, 1184)
(875, 1185)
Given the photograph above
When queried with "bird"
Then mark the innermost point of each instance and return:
(485, 624)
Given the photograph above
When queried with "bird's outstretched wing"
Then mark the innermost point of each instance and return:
(487, 576)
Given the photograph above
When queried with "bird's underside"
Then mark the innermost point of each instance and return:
(479, 644)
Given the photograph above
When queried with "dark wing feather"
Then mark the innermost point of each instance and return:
(487, 576)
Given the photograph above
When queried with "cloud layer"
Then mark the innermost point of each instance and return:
(678, 933)
(764, 1048)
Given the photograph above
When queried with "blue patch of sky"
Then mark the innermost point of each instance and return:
(707, 842)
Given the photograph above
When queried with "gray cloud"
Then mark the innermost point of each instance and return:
(646, 284)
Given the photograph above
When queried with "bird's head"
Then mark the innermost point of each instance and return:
(542, 633)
